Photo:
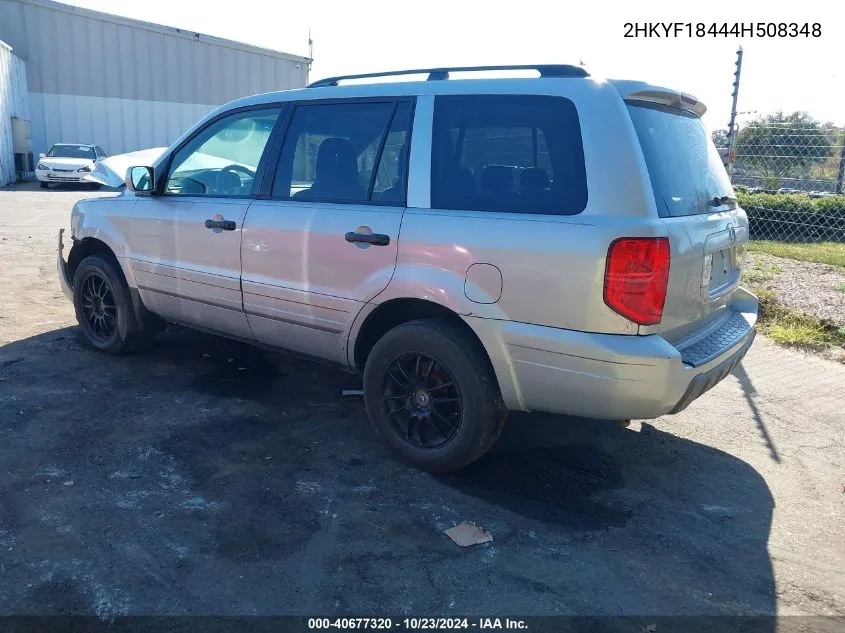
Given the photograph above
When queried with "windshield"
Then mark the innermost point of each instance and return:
(686, 170)
(71, 151)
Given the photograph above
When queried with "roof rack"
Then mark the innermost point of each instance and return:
(437, 74)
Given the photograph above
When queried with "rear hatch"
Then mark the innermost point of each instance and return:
(707, 230)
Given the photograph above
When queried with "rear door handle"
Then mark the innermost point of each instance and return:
(376, 239)
(225, 225)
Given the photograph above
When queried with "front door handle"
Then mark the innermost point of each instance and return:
(376, 239)
(225, 225)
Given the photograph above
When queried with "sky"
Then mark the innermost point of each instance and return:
(374, 35)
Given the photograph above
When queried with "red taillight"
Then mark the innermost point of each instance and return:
(636, 276)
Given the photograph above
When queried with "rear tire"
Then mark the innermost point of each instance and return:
(103, 306)
(44, 185)
(440, 407)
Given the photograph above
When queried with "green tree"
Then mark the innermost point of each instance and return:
(720, 138)
(780, 145)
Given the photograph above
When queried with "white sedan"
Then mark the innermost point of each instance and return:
(68, 163)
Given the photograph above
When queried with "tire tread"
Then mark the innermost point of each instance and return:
(493, 412)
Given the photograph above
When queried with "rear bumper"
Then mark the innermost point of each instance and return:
(64, 281)
(706, 380)
(615, 377)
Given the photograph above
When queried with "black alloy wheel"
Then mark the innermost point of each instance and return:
(422, 400)
(99, 307)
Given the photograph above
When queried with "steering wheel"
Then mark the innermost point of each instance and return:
(224, 181)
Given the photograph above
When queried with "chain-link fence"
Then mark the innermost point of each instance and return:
(788, 173)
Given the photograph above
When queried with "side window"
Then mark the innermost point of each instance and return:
(222, 160)
(331, 151)
(507, 153)
(100, 152)
(392, 172)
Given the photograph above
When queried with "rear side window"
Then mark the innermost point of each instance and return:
(685, 169)
(508, 153)
(341, 152)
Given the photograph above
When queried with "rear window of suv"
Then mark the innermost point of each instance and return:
(508, 153)
(686, 170)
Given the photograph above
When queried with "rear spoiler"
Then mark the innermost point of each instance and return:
(679, 100)
(639, 91)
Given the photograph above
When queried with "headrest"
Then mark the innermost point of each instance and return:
(336, 156)
(497, 178)
(534, 179)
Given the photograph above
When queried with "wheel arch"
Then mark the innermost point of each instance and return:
(146, 321)
(375, 320)
(85, 247)
(386, 316)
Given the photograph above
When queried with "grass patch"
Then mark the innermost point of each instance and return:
(831, 253)
(801, 331)
(839, 287)
(765, 296)
(793, 328)
(760, 272)
(753, 276)
(771, 268)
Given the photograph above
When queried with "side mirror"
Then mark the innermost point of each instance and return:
(42, 155)
(140, 179)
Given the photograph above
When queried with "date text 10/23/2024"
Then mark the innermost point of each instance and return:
(418, 624)
(723, 29)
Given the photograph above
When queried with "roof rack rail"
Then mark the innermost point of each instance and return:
(437, 74)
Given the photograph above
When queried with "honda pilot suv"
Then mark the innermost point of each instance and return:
(472, 246)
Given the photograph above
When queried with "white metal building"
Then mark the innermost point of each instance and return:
(125, 84)
(14, 113)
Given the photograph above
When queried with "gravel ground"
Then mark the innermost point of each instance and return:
(176, 481)
(804, 286)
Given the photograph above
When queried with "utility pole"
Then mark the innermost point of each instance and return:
(732, 124)
(310, 50)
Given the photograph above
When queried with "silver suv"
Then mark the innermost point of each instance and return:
(473, 246)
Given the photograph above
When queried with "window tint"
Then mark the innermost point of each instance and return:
(685, 168)
(330, 151)
(509, 153)
(222, 160)
(391, 175)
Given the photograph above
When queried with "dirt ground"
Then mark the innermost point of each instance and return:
(207, 477)
(816, 289)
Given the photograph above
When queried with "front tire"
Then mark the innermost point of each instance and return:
(103, 306)
(432, 396)
(44, 185)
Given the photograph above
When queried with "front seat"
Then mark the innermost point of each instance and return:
(336, 174)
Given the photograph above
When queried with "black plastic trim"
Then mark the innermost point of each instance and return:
(376, 239)
(712, 377)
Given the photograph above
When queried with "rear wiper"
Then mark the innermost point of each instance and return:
(718, 201)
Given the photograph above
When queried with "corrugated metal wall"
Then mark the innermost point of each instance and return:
(125, 84)
(13, 103)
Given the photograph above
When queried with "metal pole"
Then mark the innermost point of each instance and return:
(841, 165)
(732, 124)
(310, 50)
